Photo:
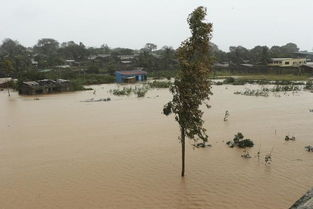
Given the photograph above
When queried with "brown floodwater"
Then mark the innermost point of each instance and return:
(61, 153)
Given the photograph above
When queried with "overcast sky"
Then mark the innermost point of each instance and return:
(132, 23)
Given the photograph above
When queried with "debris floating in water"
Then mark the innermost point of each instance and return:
(287, 138)
(202, 145)
(268, 157)
(226, 115)
(98, 100)
(246, 154)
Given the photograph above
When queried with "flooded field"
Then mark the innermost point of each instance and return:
(60, 153)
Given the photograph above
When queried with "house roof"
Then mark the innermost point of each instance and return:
(132, 72)
(247, 65)
(92, 57)
(286, 58)
(31, 83)
(221, 65)
(281, 59)
(5, 80)
(304, 53)
(126, 57)
(62, 81)
(126, 61)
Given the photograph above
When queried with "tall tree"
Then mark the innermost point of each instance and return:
(150, 47)
(259, 55)
(71, 50)
(238, 55)
(286, 50)
(192, 87)
(18, 56)
(47, 52)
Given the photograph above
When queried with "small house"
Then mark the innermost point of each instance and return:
(130, 76)
(4, 82)
(30, 87)
(287, 62)
(44, 86)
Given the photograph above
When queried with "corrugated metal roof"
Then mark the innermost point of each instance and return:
(31, 83)
(132, 72)
(281, 59)
(304, 53)
(5, 80)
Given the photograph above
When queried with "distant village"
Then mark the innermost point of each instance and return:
(53, 67)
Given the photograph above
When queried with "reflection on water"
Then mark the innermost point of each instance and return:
(58, 152)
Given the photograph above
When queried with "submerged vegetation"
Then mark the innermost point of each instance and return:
(265, 92)
(244, 80)
(126, 91)
(240, 142)
(121, 92)
(141, 91)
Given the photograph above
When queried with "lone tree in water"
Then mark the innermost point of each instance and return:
(192, 88)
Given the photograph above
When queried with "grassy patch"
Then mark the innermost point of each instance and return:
(275, 77)
(160, 84)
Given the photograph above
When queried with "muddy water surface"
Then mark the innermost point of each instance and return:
(61, 153)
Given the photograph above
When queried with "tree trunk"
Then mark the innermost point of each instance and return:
(183, 151)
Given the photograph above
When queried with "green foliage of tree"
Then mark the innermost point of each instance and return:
(284, 51)
(192, 88)
(219, 55)
(93, 69)
(14, 58)
(46, 51)
(148, 61)
(71, 50)
(238, 55)
(150, 47)
(259, 55)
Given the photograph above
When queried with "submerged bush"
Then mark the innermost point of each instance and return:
(240, 142)
(140, 92)
(245, 143)
(122, 92)
(265, 91)
(229, 80)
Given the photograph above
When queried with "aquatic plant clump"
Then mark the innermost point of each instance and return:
(141, 92)
(256, 80)
(264, 92)
(285, 88)
(253, 92)
(240, 142)
(121, 92)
